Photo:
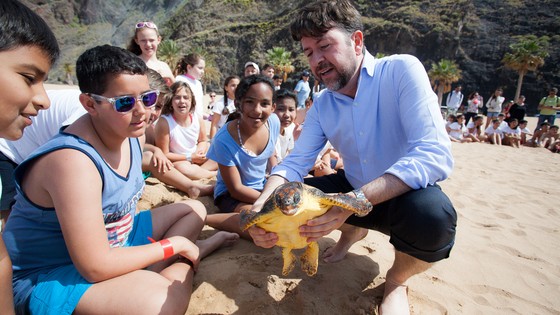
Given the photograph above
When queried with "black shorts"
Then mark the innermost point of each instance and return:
(420, 223)
(7, 167)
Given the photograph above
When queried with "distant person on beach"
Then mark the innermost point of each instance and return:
(494, 106)
(474, 129)
(302, 89)
(268, 71)
(242, 149)
(145, 43)
(538, 134)
(457, 130)
(28, 49)
(251, 68)
(473, 104)
(548, 106)
(181, 136)
(550, 137)
(190, 69)
(518, 110)
(391, 160)
(277, 82)
(225, 106)
(154, 161)
(493, 133)
(512, 134)
(454, 100)
(88, 250)
(525, 132)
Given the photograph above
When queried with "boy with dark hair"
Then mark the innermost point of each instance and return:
(28, 49)
(89, 249)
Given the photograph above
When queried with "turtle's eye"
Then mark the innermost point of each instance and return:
(297, 198)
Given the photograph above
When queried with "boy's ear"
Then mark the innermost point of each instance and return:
(88, 103)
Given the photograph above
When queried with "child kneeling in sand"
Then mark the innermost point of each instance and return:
(75, 239)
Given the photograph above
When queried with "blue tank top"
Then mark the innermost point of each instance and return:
(33, 235)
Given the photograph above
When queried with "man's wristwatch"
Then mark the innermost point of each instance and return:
(362, 199)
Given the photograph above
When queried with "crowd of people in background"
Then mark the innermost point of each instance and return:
(505, 120)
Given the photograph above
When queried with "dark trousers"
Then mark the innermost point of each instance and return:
(420, 223)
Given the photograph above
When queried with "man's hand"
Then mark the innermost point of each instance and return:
(262, 238)
(325, 224)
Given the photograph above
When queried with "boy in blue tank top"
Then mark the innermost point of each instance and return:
(75, 239)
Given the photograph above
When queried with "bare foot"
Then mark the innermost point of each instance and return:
(218, 240)
(395, 299)
(199, 189)
(349, 236)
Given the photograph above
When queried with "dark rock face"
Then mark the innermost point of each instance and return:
(474, 33)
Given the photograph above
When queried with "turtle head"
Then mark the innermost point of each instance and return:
(288, 197)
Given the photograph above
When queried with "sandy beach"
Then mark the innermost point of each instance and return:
(505, 260)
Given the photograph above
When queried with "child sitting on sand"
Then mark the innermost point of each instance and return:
(181, 136)
(512, 134)
(242, 149)
(525, 132)
(77, 243)
(28, 49)
(457, 130)
(154, 161)
(493, 133)
(548, 138)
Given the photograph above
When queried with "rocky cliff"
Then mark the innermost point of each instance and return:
(474, 33)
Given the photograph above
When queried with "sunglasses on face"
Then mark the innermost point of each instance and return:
(146, 24)
(124, 104)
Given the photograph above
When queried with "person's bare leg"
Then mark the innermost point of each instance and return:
(210, 165)
(176, 179)
(395, 297)
(349, 235)
(218, 240)
(227, 222)
(193, 171)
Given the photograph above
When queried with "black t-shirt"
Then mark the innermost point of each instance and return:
(517, 111)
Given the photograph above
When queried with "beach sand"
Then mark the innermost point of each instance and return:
(505, 260)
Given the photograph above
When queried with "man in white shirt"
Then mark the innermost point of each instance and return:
(454, 100)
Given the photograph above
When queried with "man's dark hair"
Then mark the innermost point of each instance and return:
(98, 65)
(19, 26)
(317, 18)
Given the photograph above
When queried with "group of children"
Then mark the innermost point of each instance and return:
(89, 243)
(502, 131)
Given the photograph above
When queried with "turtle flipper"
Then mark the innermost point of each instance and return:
(310, 259)
(289, 260)
(360, 206)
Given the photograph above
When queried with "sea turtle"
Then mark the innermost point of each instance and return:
(290, 206)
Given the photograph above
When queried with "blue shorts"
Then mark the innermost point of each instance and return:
(60, 289)
(492, 114)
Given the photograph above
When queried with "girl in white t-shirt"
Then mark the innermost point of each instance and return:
(512, 134)
(474, 129)
(179, 134)
(190, 69)
(493, 133)
(457, 130)
(144, 44)
(222, 108)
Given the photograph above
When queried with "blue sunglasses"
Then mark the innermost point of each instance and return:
(124, 104)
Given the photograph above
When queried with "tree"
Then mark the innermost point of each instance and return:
(281, 60)
(442, 75)
(527, 54)
(169, 52)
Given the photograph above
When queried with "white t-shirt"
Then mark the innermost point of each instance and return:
(196, 87)
(507, 129)
(65, 109)
(219, 107)
(490, 130)
(183, 140)
(457, 130)
(285, 142)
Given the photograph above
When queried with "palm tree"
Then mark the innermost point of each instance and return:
(169, 52)
(281, 60)
(442, 75)
(527, 54)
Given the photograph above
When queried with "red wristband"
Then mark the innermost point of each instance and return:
(167, 247)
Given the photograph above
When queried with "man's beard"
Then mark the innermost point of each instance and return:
(342, 78)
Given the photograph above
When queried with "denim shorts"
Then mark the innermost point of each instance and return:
(59, 290)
